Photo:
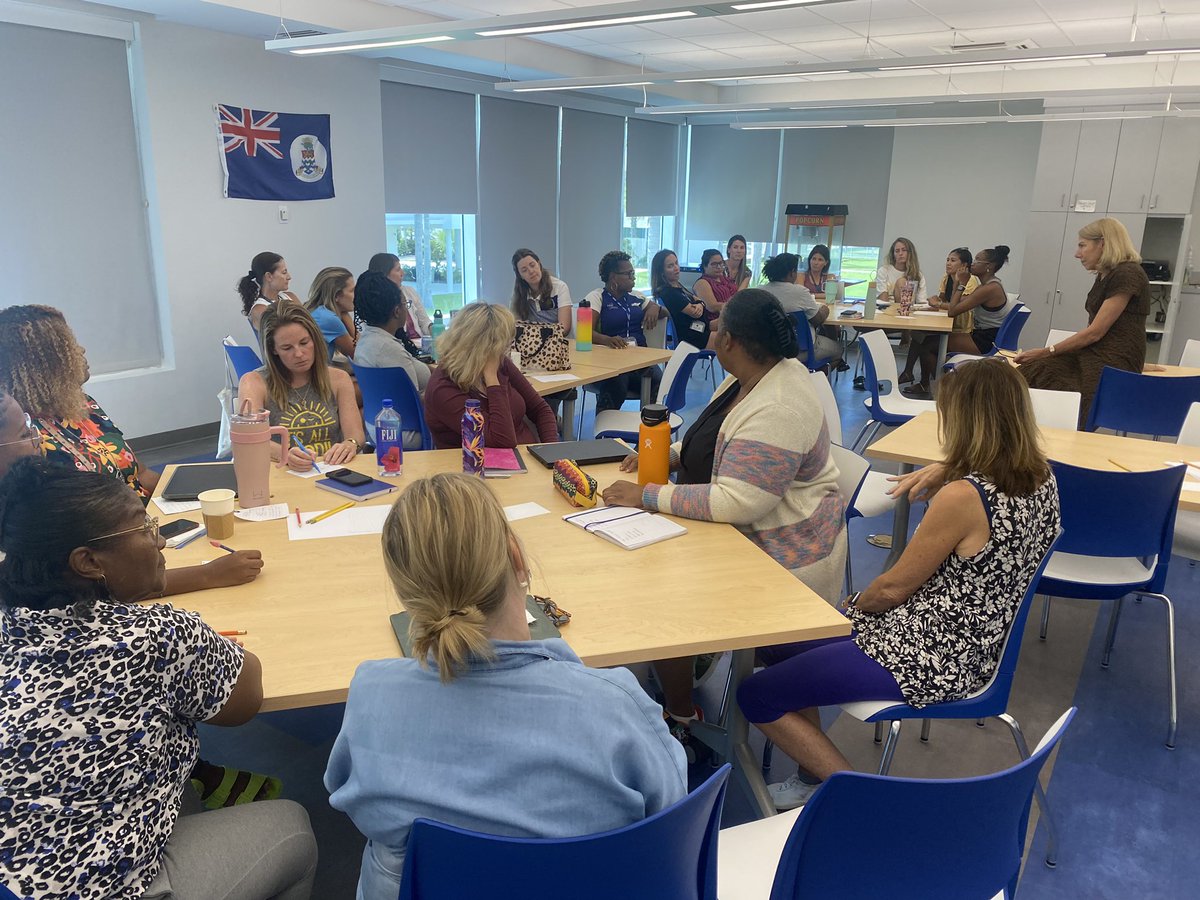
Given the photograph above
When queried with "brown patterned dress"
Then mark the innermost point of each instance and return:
(1123, 347)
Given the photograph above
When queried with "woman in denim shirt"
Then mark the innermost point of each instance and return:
(484, 728)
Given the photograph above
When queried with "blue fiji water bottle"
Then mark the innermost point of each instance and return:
(389, 442)
(472, 438)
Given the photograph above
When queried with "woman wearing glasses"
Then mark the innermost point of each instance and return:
(622, 316)
(99, 716)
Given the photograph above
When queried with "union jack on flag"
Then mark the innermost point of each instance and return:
(274, 155)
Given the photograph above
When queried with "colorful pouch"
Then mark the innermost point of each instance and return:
(574, 484)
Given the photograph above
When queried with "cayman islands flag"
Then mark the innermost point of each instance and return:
(274, 156)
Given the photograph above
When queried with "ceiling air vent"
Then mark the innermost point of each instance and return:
(981, 46)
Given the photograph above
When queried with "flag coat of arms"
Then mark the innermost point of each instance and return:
(273, 155)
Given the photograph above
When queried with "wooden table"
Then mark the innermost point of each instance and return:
(939, 324)
(915, 443)
(599, 364)
(321, 607)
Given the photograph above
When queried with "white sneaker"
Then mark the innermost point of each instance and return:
(791, 793)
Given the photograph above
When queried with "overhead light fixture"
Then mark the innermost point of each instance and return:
(777, 127)
(582, 87)
(1173, 52)
(373, 45)
(752, 77)
(885, 104)
(587, 23)
(771, 4)
(956, 63)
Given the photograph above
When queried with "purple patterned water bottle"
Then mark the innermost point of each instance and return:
(472, 438)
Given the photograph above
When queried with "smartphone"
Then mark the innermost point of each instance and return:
(176, 528)
(349, 477)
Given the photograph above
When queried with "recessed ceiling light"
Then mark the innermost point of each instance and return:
(588, 23)
(373, 45)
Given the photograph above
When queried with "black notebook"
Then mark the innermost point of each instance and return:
(605, 450)
(188, 481)
(540, 629)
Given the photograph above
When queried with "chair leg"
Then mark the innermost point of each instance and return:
(879, 732)
(1045, 617)
(981, 723)
(1038, 793)
(889, 748)
(849, 572)
(925, 723)
(1113, 618)
(1172, 722)
(865, 435)
(766, 764)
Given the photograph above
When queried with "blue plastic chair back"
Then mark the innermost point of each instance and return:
(1097, 521)
(393, 383)
(243, 359)
(676, 396)
(871, 380)
(670, 332)
(6, 894)
(912, 838)
(1142, 404)
(808, 352)
(672, 855)
(1009, 335)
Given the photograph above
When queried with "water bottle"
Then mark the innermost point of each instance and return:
(389, 442)
(472, 438)
(654, 445)
(869, 306)
(435, 331)
(583, 326)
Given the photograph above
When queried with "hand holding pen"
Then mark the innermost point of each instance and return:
(300, 457)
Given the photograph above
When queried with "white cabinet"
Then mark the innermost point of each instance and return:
(1175, 174)
(1133, 174)
(1039, 273)
(1055, 166)
(1075, 163)
(1094, 162)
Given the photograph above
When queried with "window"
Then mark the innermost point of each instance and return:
(641, 238)
(858, 264)
(756, 254)
(437, 252)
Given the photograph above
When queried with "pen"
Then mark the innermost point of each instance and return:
(1120, 465)
(221, 546)
(303, 449)
(201, 533)
(299, 523)
(229, 633)
(329, 512)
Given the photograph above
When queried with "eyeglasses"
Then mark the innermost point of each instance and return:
(553, 611)
(150, 527)
(33, 436)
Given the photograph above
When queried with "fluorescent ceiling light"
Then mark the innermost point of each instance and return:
(869, 104)
(582, 87)
(1172, 52)
(374, 45)
(774, 127)
(590, 23)
(769, 4)
(753, 77)
(955, 63)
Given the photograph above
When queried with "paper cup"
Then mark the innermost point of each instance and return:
(217, 508)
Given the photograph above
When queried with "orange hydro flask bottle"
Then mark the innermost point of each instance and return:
(654, 445)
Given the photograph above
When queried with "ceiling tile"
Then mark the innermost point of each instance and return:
(858, 10)
(736, 38)
(886, 27)
(659, 44)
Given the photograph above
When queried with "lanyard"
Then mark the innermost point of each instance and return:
(626, 304)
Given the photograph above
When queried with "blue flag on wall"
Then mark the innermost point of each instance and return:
(274, 156)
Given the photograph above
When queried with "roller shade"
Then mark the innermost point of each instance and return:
(652, 169)
(428, 150)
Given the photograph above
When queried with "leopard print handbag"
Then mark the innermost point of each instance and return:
(542, 346)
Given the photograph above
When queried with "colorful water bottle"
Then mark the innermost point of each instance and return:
(583, 326)
(435, 331)
(389, 442)
(472, 438)
(907, 292)
(654, 445)
(250, 432)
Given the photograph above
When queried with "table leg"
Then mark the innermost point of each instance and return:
(899, 523)
(646, 398)
(568, 417)
(943, 344)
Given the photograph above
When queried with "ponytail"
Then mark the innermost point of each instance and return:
(249, 286)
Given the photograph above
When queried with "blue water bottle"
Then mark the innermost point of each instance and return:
(389, 442)
(472, 438)
(435, 331)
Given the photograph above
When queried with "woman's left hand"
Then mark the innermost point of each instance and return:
(341, 453)
(1030, 355)
(623, 493)
(650, 314)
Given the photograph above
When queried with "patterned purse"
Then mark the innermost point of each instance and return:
(542, 346)
(576, 486)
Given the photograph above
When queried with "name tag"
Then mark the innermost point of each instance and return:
(698, 326)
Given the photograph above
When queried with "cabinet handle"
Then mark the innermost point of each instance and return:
(1142, 204)
(1062, 201)
(1154, 204)
(1058, 296)
(1074, 201)
(1047, 298)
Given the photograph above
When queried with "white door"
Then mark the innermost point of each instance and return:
(1175, 174)
(1055, 167)
(1094, 164)
(1133, 174)
(1039, 273)
(1074, 281)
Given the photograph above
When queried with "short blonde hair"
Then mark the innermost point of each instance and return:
(986, 425)
(479, 333)
(41, 364)
(1118, 247)
(329, 282)
(280, 314)
(446, 547)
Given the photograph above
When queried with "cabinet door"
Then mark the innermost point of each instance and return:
(1055, 166)
(1175, 174)
(1039, 273)
(1133, 174)
(1074, 281)
(1094, 163)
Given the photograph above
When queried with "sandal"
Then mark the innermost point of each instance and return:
(905, 378)
(252, 787)
(917, 392)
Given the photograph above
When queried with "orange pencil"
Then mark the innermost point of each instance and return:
(230, 633)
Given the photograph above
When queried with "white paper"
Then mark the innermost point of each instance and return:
(318, 468)
(174, 507)
(551, 379)
(921, 312)
(349, 522)
(263, 513)
(1191, 485)
(529, 618)
(1193, 471)
(524, 511)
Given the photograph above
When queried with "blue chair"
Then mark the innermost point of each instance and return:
(1132, 403)
(672, 855)
(1119, 528)
(392, 383)
(808, 351)
(990, 700)
(886, 409)
(1007, 338)
(6, 894)
(861, 837)
(243, 359)
(672, 393)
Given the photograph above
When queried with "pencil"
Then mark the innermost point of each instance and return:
(200, 533)
(221, 546)
(230, 633)
(299, 524)
(329, 512)
(1120, 465)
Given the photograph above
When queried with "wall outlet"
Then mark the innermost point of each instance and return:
(283, 214)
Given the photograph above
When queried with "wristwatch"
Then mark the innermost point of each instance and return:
(357, 445)
(1051, 349)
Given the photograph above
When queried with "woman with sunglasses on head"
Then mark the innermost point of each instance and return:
(99, 712)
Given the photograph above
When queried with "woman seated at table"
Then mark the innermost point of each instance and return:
(782, 274)
(419, 323)
(42, 372)
(265, 284)
(900, 264)
(736, 265)
(537, 295)
(302, 392)
(473, 364)
(331, 304)
(99, 718)
(1117, 306)
(958, 304)
(685, 308)
(620, 317)
(486, 729)
(931, 628)
(758, 458)
(816, 271)
(714, 286)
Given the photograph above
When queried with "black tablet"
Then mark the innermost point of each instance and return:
(188, 481)
(605, 450)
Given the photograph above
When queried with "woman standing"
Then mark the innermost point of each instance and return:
(816, 271)
(419, 323)
(537, 295)
(296, 384)
(621, 316)
(900, 264)
(714, 286)
(738, 266)
(686, 309)
(1117, 306)
(331, 304)
(263, 285)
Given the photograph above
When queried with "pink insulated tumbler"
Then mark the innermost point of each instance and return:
(250, 433)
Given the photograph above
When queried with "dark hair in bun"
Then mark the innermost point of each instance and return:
(756, 320)
(780, 266)
(998, 256)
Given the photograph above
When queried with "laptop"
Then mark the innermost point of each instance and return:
(584, 453)
(188, 481)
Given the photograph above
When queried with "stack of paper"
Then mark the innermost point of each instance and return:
(626, 527)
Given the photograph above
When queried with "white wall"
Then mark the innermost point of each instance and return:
(962, 185)
(207, 241)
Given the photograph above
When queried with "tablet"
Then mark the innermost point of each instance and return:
(605, 450)
(188, 481)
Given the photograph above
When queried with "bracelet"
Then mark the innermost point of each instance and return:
(357, 445)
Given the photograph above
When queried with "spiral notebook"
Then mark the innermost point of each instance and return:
(626, 527)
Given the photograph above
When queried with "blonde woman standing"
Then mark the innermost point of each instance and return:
(473, 364)
(511, 731)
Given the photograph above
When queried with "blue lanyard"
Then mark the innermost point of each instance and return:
(626, 304)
